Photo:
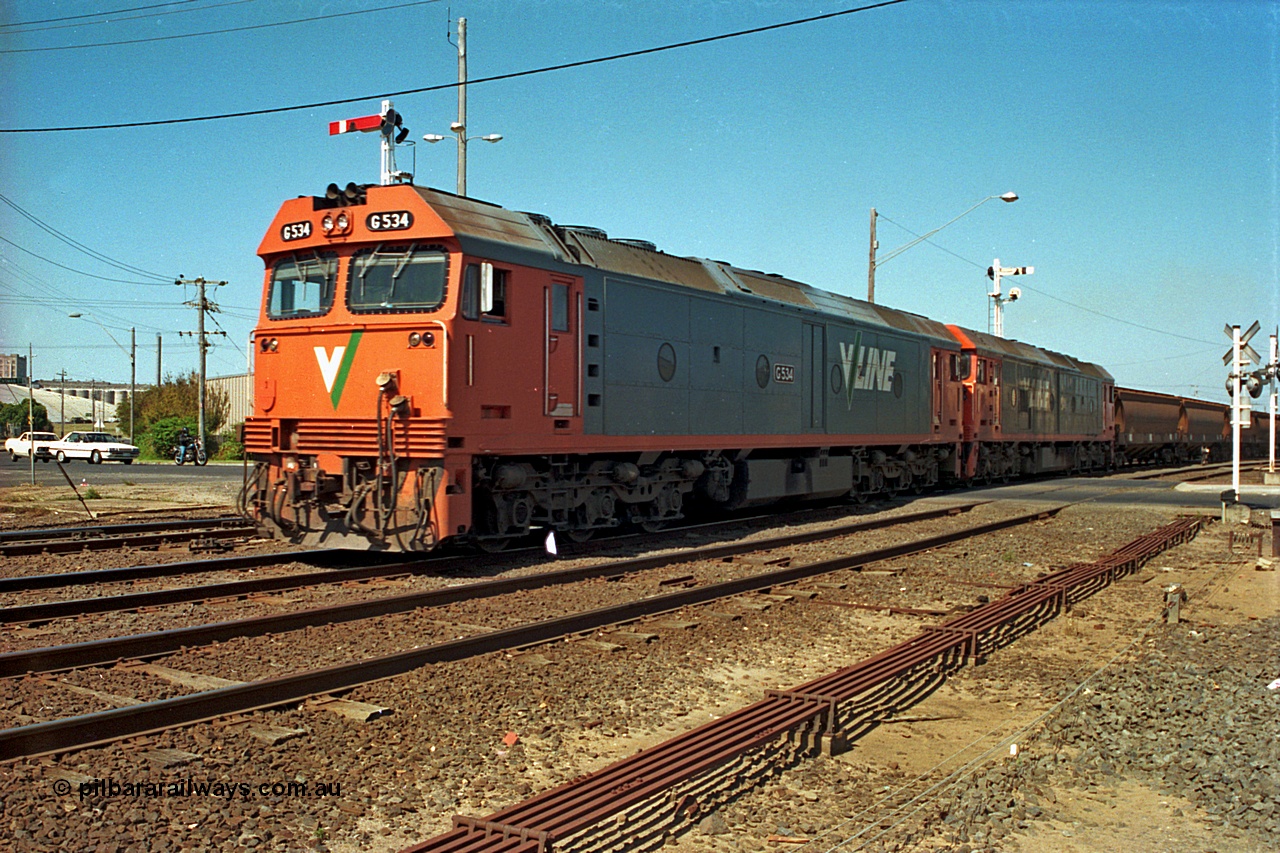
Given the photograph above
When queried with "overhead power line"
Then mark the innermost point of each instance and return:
(582, 63)
(96, 255)
(1050, 295)
(98, 14)
(111, 17)
(221, 32)
(79, 272)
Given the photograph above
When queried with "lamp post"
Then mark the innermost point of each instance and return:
(873, 264)
(462, 140)
(459, 127)
(132, 352)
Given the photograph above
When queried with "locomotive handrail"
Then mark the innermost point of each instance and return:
(444, 359)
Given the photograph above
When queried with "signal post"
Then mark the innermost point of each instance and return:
(1239, 358)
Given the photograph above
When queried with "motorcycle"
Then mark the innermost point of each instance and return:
(192, 451)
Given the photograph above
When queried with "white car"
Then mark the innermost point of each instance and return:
(21, 446)
(96, 447)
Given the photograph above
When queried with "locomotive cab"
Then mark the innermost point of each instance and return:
(352, 350)
(407, 338)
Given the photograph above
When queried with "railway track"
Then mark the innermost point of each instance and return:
(1193, 473)
(806, 715)
(390, 567)
(105, 726)
(145, 534)
(335, 558)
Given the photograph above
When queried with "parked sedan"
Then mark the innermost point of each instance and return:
(96, 447)
(21, 446)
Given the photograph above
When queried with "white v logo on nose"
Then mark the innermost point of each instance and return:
(329, 365)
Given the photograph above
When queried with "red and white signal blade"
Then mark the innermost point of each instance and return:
(364, 124)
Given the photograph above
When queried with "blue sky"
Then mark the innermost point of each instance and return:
(1142, 137)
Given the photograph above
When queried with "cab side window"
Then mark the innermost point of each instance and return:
(498, 312)
(471, 307)
(560, 307)
(471, 292)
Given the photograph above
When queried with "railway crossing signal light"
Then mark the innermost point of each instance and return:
(1239, 357)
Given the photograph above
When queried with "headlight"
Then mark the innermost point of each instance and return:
(326, 224)
(414, 339)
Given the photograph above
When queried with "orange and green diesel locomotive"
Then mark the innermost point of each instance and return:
(433, 368)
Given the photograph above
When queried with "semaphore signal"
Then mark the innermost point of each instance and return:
(390, 124)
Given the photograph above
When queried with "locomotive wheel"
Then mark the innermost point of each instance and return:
(579, 534)
(493, 546)
(652, 525)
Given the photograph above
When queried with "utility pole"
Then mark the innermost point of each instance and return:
(31, 415)
(461, 126)
(871, 265)
(158, 342)
(62, 411)
(133, 379)
(1271, 377)
(202, 339)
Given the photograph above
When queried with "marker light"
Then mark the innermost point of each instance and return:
(414, 339)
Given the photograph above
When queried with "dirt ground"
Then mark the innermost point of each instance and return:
(50, 506)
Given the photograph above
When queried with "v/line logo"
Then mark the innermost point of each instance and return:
(865, 368)
(335, 367)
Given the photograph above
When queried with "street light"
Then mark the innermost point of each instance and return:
(132, 352)
(873, 264)
(462, 140)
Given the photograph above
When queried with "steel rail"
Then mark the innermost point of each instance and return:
(106, 726)
(9, 537)
(57, 580)
(536, 824)
(47, 610)
(107, 650)
(1197, 472)
(126, 540)
(339, 555)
